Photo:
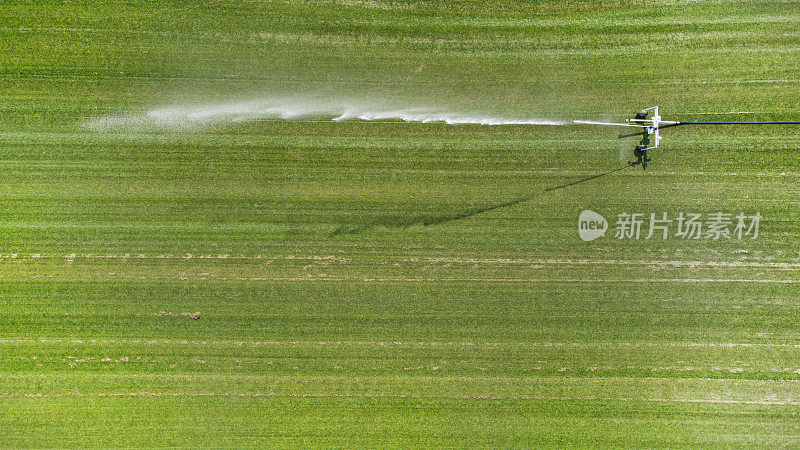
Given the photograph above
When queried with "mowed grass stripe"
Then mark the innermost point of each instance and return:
(587, 388)
(393, 343)
(397, 396)
(320, 421)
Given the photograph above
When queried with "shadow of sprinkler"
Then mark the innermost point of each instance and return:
(445, 218)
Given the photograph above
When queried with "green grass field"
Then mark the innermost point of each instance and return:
(350, 290)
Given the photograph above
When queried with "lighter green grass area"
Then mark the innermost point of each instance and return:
(350, 291)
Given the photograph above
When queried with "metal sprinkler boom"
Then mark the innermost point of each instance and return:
(653, 125)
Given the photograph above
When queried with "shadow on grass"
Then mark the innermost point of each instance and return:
(429, 220)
